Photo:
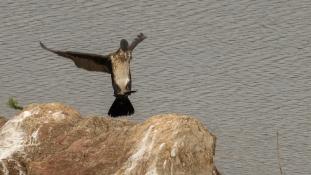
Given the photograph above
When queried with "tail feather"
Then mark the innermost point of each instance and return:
(120, 107)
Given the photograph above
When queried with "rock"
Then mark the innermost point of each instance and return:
(53, 139)
(2, 121)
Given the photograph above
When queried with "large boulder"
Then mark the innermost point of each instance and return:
(53, 139)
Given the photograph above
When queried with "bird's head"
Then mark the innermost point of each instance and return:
(124, 45)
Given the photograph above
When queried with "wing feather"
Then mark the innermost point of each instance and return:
(87, 61)
(137, 40)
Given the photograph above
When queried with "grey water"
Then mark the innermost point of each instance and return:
(242, 67)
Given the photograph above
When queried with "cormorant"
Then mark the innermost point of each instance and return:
(117, 64)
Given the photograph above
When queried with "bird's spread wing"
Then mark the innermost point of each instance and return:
(137, 40)
(90, 62)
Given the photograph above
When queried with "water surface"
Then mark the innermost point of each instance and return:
(242, 67)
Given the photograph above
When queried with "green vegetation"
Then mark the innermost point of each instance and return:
(12, 103)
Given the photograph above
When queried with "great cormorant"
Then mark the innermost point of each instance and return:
(117, 64)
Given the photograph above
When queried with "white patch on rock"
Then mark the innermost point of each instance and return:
(161, 146)
(142, 151)
(34, 137)
(174, 150)
(13, 137)
(164, 164)
(59, 115)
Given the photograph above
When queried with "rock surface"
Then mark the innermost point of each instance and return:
(2, 121)
(53, 139)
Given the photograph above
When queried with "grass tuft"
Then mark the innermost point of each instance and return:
(13, 103)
